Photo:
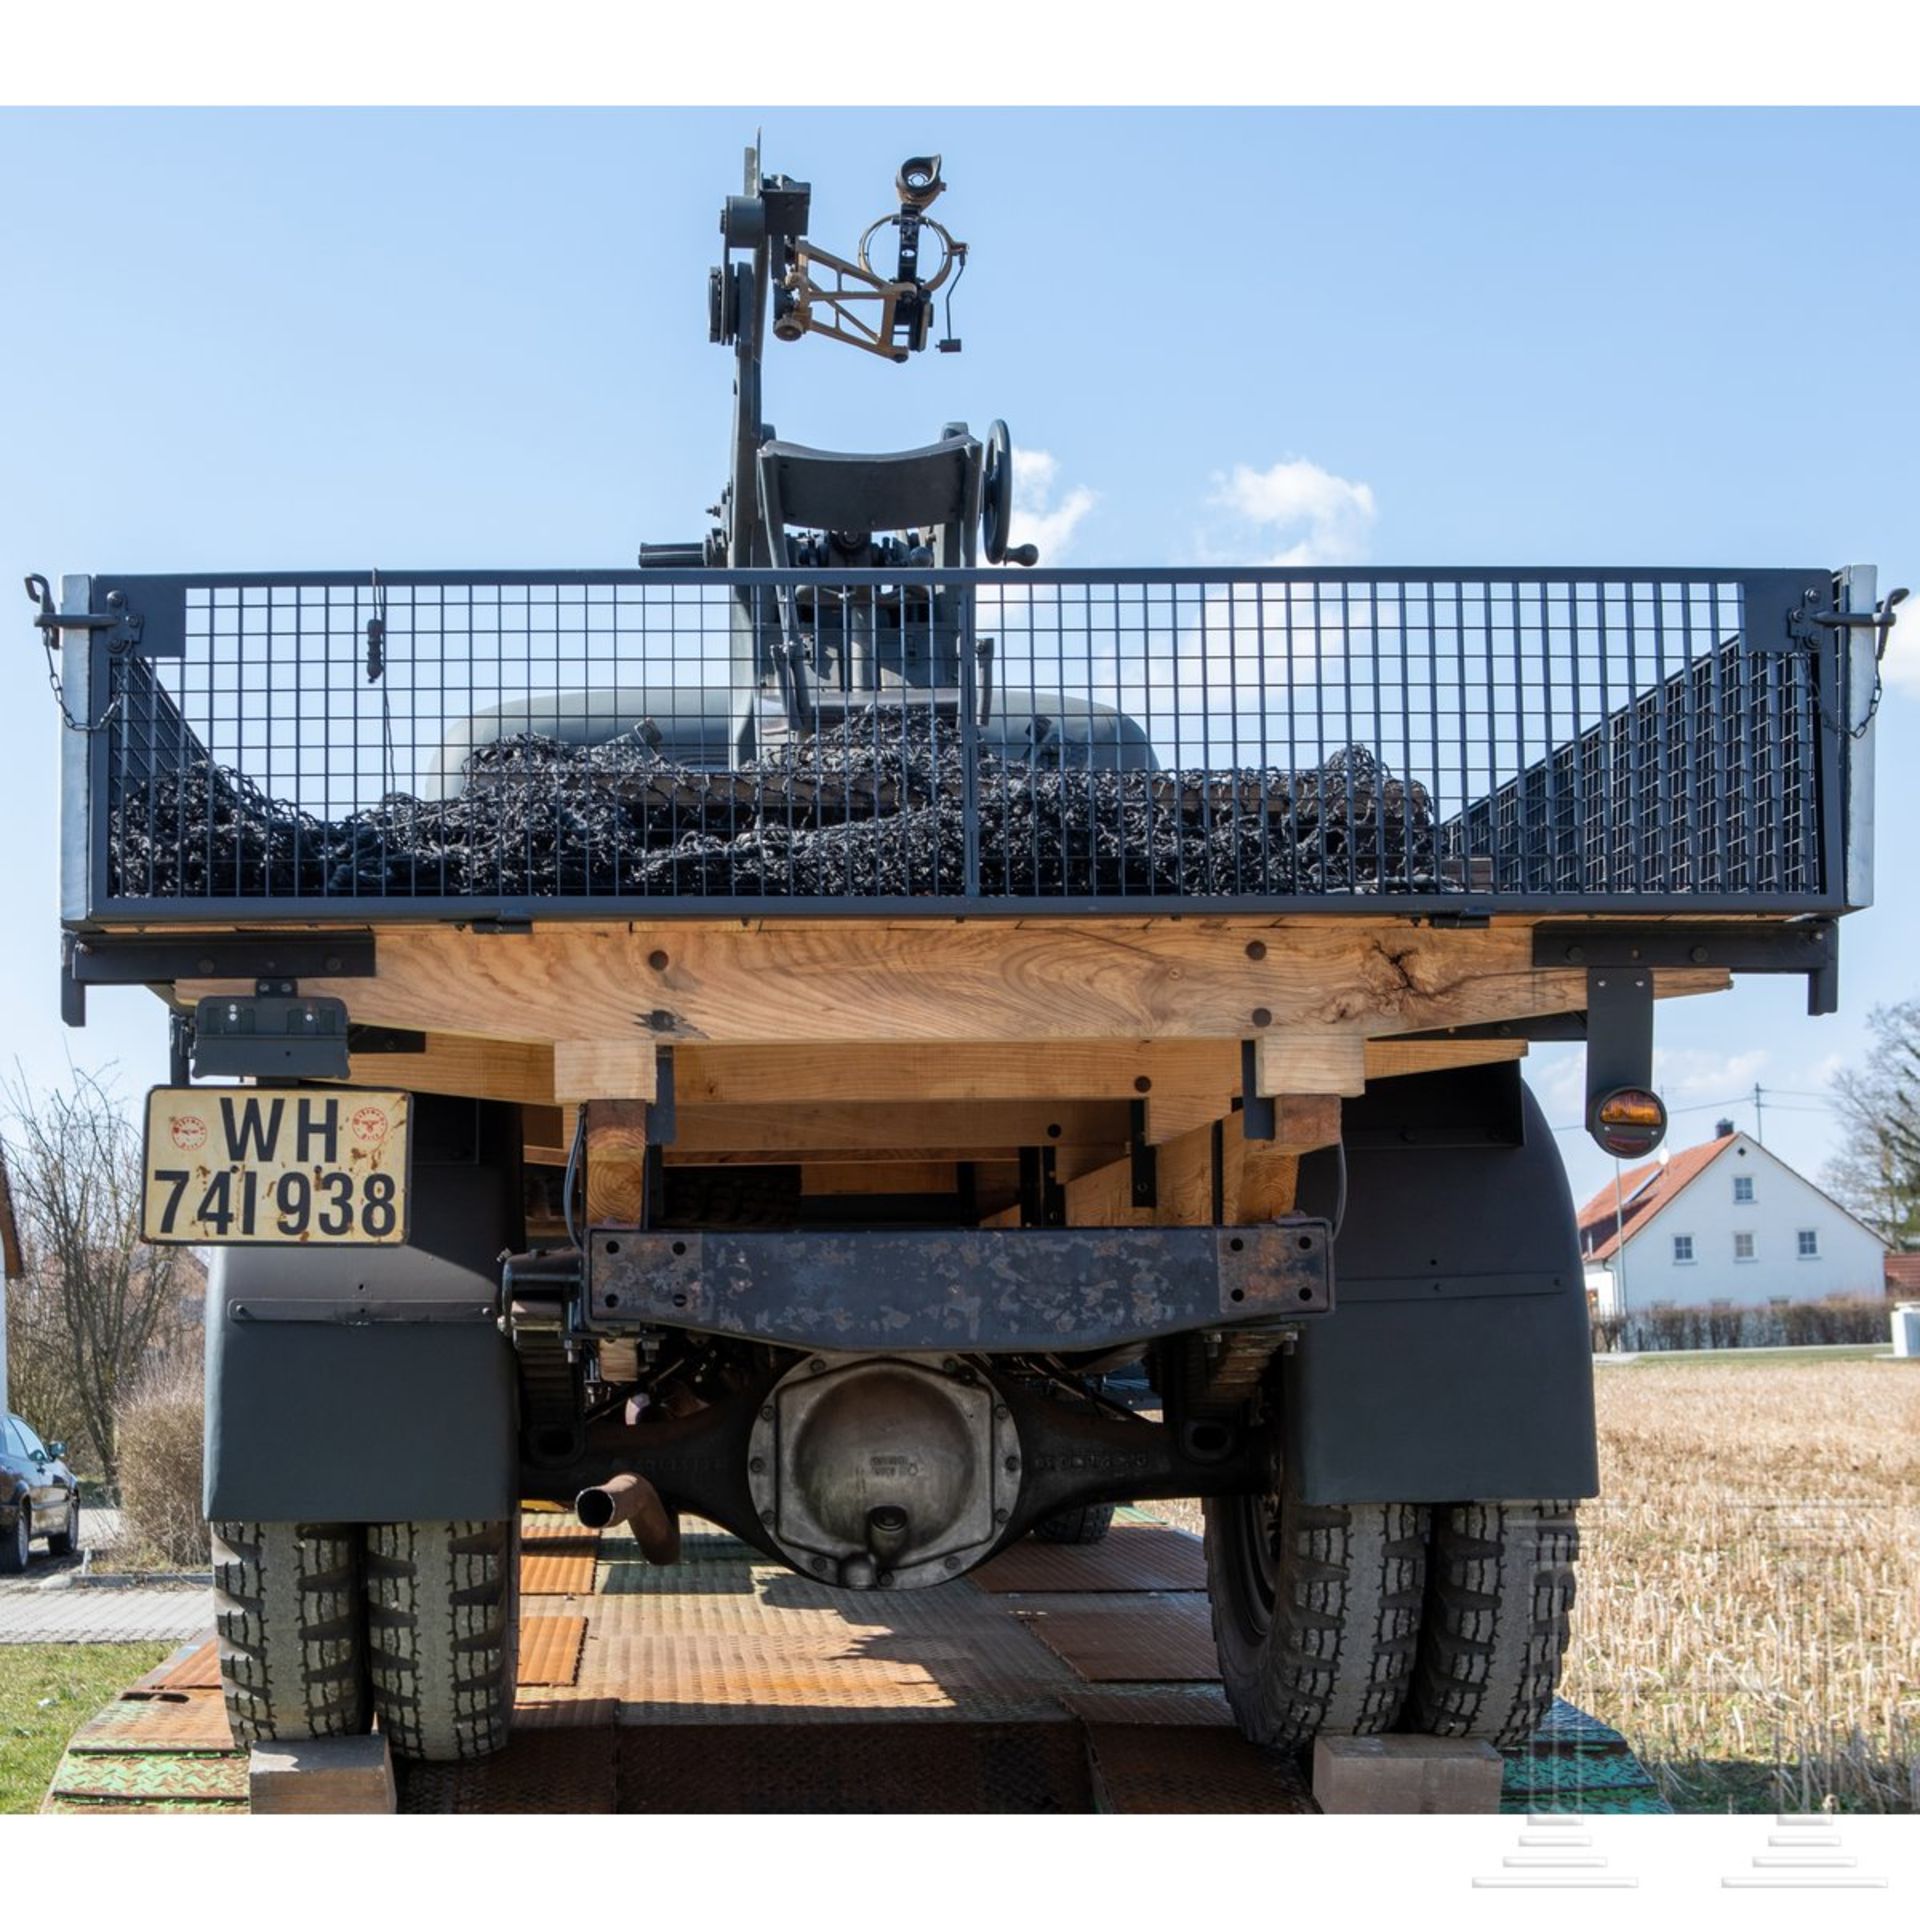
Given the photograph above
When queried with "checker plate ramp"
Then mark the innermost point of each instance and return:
(550, 1649)
(1172, 1639)
(1128, 1560)
(727, 1684)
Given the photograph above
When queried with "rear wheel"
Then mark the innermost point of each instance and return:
(1316, 1613)
(1498, 1618)
(442, 1610)
(16, 1540)
(292, 1631)
(1076, 1527)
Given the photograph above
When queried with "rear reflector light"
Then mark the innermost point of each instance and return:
(1628, 1122)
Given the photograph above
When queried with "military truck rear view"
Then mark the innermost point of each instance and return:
(765, 1034)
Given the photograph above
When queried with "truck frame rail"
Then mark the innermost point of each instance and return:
(497, 744)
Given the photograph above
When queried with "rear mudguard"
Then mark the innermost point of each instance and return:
(322, 1407)
(1457, 1365)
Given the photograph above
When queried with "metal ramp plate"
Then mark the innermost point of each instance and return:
(1170, 1640)
(731, 1685)
(1128, 1560)
(550, 1650)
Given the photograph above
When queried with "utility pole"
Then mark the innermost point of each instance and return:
(1619, 1244)
(1759, 1116)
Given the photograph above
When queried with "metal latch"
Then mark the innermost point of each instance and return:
(1804, 626)
(121, 621)
(275, 1035)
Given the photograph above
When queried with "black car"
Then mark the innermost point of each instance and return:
(38, 1495)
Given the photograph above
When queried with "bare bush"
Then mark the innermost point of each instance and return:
(93, 1301)
(162, 1426)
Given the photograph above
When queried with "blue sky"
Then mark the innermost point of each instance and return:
(437, 338)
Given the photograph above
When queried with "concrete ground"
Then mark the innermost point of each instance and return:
(43, 1605)
(70, 1616)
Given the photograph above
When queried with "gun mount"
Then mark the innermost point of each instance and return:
(947, 505)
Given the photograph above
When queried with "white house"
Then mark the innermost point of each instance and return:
(1725, 1223)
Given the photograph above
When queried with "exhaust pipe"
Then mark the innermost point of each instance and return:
(627, 1497)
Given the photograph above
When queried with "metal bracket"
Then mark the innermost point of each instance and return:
(145, 959)
(157, 960)
(276, 1035)
(1778, 613)
(662, 1124)
(1144, 1157)
(1619, 1031)
(1808, 946)
(155, 631)
(978, 1290)
(120, 623)
(1043, 1200)
(367, 1313)
(1805, 627)
(1257, 1120)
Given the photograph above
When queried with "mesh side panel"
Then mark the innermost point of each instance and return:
(1266, 736)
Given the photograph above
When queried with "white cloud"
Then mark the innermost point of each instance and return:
(1687, 1074)
(1901, 667)
(1328, 520)
(1036, 517)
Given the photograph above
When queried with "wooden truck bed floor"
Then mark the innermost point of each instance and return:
(886, 1046)
(1055, 1679)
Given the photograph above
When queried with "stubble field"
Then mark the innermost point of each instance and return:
(1749, 1608)
(1749, 1579)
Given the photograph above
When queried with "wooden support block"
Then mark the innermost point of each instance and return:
(1309, 1062)
(352, 1773)
(453, 1063)
(1388, 1059)
(604, 1070)
(616, 1162)
(1257, 1178)
(926, 1129)
(1404, 1773)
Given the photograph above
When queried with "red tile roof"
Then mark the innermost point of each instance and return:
(1644, 1196)
(1903, 1276)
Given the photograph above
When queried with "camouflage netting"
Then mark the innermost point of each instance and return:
(858, 809)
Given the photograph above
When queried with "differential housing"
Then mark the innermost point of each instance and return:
(889, 1470)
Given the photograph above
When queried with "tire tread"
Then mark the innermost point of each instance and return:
(1499, 1619)
(288, 1612)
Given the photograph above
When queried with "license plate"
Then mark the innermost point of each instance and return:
(250, 1166)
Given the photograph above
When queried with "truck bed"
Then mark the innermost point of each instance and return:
(1176, 839)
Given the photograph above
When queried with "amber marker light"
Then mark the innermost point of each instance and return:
(1628, 1122)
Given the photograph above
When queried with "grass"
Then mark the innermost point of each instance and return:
(1749, 1584)
(47, 1693)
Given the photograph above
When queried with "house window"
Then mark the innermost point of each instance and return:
(1743, 1246)
(1743, 1189)
(1809, 1244)
(1683, 1249)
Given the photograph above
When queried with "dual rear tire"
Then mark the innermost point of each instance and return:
(1367, 1619)
(322, 1627)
